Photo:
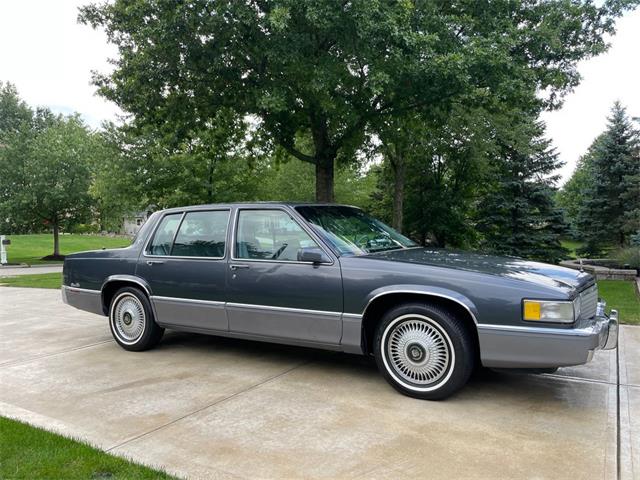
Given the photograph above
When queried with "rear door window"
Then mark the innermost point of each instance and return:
(202, 234)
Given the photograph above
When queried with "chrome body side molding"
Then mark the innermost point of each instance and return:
(282, 309)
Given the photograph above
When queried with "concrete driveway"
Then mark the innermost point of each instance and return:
(205, 407)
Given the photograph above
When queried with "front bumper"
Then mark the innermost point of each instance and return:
(543, 347)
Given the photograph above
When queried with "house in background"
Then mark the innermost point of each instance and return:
(132, 223)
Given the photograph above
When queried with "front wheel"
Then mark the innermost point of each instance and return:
(131, 320)
(424, 351)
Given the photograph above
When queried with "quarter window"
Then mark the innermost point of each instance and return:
(163, 238)
(202, 234)
(270, 235)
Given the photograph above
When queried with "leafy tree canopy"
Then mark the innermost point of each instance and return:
(329, 68)
(517, 214)
(44, 160)
(609, 203)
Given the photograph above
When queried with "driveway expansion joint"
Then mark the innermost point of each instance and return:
(12, 363)
(210, 405)
(588, 380)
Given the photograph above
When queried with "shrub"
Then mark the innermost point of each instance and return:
(84, 228)
(628, 256)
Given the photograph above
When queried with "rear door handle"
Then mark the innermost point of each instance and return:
(154, 262)
(236, 266)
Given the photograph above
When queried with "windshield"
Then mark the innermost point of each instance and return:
(351, 231)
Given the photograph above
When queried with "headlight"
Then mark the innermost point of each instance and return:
(546, 311)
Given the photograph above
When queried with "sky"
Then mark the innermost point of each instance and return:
(49, 57)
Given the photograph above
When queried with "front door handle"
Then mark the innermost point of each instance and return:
(154, 262)
(236, 266)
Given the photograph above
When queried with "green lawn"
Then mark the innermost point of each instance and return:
(623, 297)
(36, 280)
(27, 452)
(572, 246)
(31, 248)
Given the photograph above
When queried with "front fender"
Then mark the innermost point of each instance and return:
(452, 295)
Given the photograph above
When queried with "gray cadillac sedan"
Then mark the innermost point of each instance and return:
(332, 277)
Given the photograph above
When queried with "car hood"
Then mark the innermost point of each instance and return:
(511, 267)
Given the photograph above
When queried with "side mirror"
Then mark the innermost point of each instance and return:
(313, 255)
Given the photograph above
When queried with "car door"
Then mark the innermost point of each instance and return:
(185, 265)
(271, 293)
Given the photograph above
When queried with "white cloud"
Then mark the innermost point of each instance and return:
(612, 76)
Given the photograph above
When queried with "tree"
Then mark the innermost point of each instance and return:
(571, 197)
(290, 180)
(328, 68)
(400, 137)
(608, 200)
(14, 112)
(214, 165)
(45, 173)
(631, 198)
(516, 214)
(447, 172)
(435, 166)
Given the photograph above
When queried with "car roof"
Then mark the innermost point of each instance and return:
(256, 204)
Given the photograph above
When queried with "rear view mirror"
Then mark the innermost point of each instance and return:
(313, 255)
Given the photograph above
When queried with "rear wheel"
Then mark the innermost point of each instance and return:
(424, 351)
(131, 320)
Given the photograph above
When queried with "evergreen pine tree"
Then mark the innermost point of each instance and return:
(517, 214)
(606, 216)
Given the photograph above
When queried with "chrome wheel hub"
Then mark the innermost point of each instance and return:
(418, 351)
(129, 318)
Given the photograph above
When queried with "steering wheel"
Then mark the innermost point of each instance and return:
(361, 240)
(279, 251)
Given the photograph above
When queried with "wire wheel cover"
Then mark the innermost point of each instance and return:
(129, 318)
(418, 351)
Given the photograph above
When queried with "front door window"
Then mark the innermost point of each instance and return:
(270, 235)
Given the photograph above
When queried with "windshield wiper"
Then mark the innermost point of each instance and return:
(385, 249)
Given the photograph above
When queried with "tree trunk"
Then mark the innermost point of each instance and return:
(324, 178)
(210, 185)
(56, 239)
(324, 156)
(399, 171)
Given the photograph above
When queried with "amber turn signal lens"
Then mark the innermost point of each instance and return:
(532, 310)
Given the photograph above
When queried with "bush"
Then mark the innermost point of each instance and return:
(628, 256)
(84, 228)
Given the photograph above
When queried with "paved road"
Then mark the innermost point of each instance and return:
(204, 407)
(14, 271)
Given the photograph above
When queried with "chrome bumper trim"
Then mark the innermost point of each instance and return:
(612, 331)
(507, 346)
(80, 290)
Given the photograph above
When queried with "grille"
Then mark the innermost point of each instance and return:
(589, 302)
